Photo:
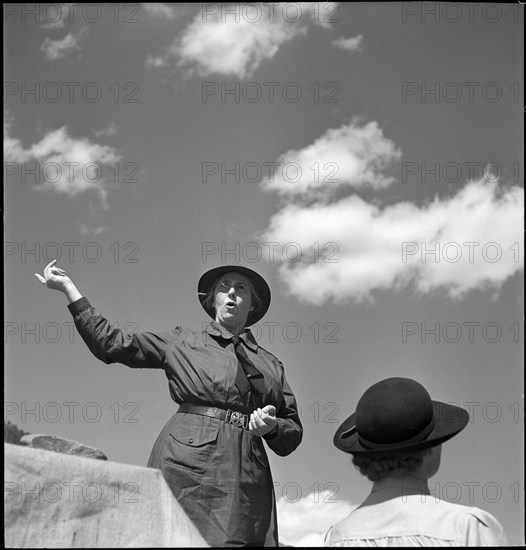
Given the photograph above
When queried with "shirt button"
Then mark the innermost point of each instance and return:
(190, 440)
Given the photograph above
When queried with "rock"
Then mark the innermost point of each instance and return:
(54, 500)
(61, 445)
(12, 434)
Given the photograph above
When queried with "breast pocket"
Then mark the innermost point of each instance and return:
(191, 443)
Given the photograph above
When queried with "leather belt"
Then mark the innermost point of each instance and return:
(226, 415)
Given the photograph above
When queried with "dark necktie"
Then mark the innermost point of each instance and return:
(248, 375)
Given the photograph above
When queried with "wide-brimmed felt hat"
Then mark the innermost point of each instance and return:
(398, 415)
(261, 287)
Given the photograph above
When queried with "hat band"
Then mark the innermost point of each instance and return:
(415, 439)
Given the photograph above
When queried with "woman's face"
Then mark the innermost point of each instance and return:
(232, 301)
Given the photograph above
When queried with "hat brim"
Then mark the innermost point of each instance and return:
(449, 421)
(260, 286)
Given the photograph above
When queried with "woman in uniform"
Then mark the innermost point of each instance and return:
(232, 395)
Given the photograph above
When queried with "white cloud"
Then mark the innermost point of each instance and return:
(110, 130)
(304, 522)
(13, 150)
(231, 48)
(351, 156)
(368, 251)
(67, 165)
(154, 62)
(159, 10)
(337, 247)
(234, 39)
(87, 230)
(59, 49)
(352, 45)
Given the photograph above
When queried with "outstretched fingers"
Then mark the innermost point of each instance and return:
(49, 271)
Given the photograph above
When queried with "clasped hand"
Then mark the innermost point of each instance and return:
(263, 421)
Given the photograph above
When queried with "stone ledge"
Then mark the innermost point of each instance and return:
(54, 500)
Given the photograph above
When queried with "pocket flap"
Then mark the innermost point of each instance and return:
(194, 435)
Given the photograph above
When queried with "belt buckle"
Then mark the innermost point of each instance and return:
(238, 419)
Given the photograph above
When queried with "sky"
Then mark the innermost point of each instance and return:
(365, 158)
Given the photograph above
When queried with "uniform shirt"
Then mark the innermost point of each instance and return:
(397, 513)
(218, 472)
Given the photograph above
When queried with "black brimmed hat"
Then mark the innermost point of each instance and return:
(261, 287)
(397, 415)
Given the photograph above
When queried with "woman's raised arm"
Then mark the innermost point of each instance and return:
(106, 341)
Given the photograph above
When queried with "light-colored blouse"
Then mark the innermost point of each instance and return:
(399, 512)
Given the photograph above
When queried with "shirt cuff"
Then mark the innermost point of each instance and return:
(273, 434)
(79, 305)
